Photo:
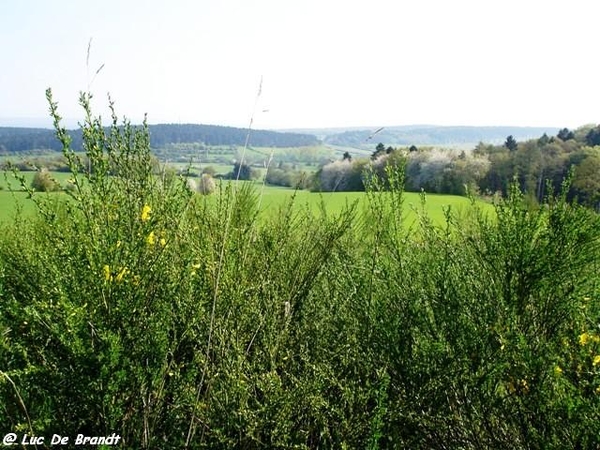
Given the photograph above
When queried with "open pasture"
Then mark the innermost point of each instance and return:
(270, 198)
(273, 197)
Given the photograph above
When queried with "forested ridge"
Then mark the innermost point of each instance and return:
(13, 139)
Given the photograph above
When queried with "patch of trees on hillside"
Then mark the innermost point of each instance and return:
(537, 165)
(430, 169)
(288, 175)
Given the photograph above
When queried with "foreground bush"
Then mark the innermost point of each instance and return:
(180, 321)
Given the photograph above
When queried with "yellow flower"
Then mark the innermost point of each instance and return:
(196, 266)
(596, 360)
(557, 370)
(163, 242)
(118, 244)
(584, 338)
(151, 239)
(124, 271)
(106, 270)
(146, 213)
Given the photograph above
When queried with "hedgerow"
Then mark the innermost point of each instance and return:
(182, 321)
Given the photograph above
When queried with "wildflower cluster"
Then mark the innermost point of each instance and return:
(589, 343)
(117, 276)
(153, 237)
(145, 215)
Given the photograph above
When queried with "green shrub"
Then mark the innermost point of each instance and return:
(207, 184)
(43, 181)
(181, 321)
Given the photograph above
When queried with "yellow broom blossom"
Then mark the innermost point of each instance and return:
(151, 239)
(124, 271)
(146, 213)
(106, 271)
(584, 338)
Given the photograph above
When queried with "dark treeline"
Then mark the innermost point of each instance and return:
(13, 139)
(28, 139)
(219, 135)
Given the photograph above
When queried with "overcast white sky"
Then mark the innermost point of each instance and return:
(324, 63)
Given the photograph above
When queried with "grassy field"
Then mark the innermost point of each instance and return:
(11, 201)
(275, 197)
(271, 199)
(12, 198)
(8, 181)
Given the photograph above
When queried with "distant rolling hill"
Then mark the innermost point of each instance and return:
(17, 139)
(408, 135)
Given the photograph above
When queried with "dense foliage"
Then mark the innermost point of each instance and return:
(180, 321)
(288, 176)
(432, 170)
(539, 164)
(536, 164)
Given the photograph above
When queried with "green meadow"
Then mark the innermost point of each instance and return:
(271, 199)
(10, 202)
(434, 206)
(13, 198)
